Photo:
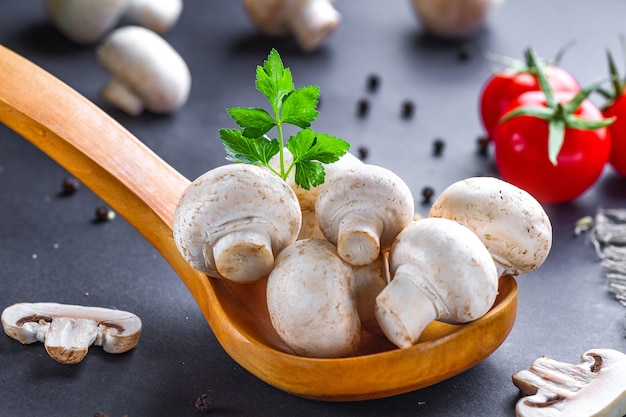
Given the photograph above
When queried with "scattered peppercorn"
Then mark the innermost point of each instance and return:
(427, 194)
(438, 146)
(70, 186)
(463, 53)
(483, 145)
(104, 214)
(373, 82)
(363, 152)
(408, 108)
(363, 107)
(204, 403)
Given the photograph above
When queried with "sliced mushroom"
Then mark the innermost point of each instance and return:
(310, 21)
(233, 220)
(312, 302)
(146, 72)
(509, 221)
(362, 210)
(595, 387)
(67, 331)
(85, 21)
(440, 271)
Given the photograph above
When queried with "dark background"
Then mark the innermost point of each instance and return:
(52, 250)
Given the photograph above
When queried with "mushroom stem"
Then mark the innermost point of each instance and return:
(118, 94)
(406, 308)
(358, 242)
(241, 254)
(313, 22)
(68, 339)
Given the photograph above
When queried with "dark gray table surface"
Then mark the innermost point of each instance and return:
(52, 250)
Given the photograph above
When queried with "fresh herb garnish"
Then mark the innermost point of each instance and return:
(297, 107)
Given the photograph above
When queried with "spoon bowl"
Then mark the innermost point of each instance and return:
(144, 189)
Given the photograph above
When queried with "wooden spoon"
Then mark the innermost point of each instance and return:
(144, 189)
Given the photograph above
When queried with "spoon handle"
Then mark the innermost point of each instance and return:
(96, 149)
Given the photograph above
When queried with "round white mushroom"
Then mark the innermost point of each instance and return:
(453, 18)
(157, 15)
(146, 71)
(440, 271)
(310, 21)
(311, 300)
(85, 21)
(362, 210)
(510, 222)
(233, 220)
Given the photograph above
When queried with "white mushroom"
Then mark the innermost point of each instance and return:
(440, 271)
(146, 72)
(157, 15)
(310, 21)
(233, 220)
(509, 221)
(453, 18)
(307, 198)
(67, 331)
(369, 281)
(311, 300)
(85, 21)
(362, 210)
(595, 387)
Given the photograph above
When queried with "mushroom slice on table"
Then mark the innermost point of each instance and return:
(310, 21)
(146, 72)
(596, 387)
(510, 222)
(361, 211)
(311, 300)
(440, 271)
(233, 220)
(67, 331)
(85, 21)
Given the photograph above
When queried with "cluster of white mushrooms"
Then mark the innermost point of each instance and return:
(348, 256)
(146, 71)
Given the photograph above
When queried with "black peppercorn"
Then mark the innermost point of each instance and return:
(363, 152)
(438, 146)
(363, 107)
(463, 53)
(483, 146)
(408, 108)
(204, 403)
(104, 214)
(70, 186)
(427, 194)
(373, 82)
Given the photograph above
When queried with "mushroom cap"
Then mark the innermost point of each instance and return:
(368, 191)
(147, 66)
(453, 18)
(85, 21)
(510, 222)
(234, 198)
(450, 262)
(311, 300)
(157, 15)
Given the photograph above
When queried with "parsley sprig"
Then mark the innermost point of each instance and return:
(252, 145)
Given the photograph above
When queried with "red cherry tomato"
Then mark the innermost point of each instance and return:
(504, 87)
(521, 152)
(617, 109)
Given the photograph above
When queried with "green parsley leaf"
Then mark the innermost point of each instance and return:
(255, 122)
(273, 80)
(299, 107)
(310, 150)
(255, 151)
(309, 174)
